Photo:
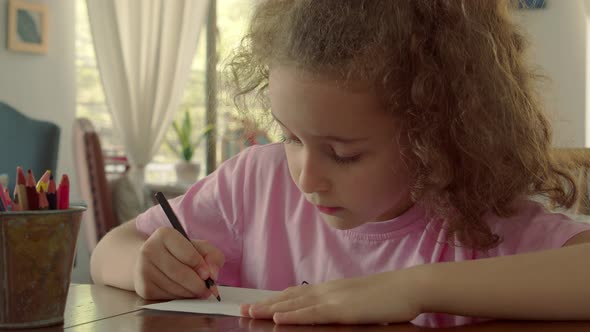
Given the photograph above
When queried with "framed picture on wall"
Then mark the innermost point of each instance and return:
(532, 4)
(27, 27)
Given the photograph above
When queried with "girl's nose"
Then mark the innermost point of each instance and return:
(312, 177)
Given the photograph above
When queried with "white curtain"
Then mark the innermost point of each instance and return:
(144, 50)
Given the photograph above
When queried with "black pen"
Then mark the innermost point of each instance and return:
(177, 226)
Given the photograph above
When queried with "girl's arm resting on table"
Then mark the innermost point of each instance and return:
(113, 260)
(546, 285)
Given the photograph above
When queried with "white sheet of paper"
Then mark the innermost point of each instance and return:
(231, 298)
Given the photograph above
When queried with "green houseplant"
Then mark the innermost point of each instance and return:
(188, 140)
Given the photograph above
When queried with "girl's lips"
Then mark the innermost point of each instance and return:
(328, 209)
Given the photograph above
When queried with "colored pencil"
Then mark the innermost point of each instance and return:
(176, 224)
(20, 190)
(32, 195)
(43, 181)
(63, 193)
(12, 206)
(3, 199)
(43, 203)
(51, 194)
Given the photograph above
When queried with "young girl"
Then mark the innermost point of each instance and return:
(412, 142)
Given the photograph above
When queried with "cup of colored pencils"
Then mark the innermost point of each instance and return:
(37, 247)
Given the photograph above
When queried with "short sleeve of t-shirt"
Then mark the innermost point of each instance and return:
(534, 228)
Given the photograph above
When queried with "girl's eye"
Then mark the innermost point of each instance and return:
(346, 160)
(289, 140)
(342, 160)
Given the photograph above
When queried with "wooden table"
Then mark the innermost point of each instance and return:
(98, 308)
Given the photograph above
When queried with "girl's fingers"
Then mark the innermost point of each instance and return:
(152, 292)
(287, 294)
(165, 258)
(151, 284)
(291, 299)
(184, 251)
(181, 274)
(166, 284)
(178, 266)
(214, 258)
(267, 311)
(315, 314)
(245, 310)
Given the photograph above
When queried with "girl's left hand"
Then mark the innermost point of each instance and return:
(380, 298)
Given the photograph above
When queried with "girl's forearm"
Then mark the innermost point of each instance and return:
(113, 260)
(551, 285)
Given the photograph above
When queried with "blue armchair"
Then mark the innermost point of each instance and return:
(26, 142)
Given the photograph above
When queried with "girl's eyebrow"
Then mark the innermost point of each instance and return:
(329, 137)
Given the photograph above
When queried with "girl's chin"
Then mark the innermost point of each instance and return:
(339, 223)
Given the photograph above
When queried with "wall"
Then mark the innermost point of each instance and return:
(43, 87)
(558, 37)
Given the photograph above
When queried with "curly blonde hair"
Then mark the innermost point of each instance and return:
(452, 70)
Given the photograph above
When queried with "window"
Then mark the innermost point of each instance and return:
(231, 21)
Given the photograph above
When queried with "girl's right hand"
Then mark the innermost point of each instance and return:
(170, 267)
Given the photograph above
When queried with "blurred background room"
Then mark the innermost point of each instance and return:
(136, 90)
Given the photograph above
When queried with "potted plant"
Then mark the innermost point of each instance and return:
(187, 171)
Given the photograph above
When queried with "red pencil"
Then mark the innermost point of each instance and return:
(12, 206)
(32, 195)
(20, 190)
(43, 203)
(2, 198)
(51, 194)
(63, 193)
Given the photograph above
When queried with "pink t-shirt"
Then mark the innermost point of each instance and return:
(273, 238)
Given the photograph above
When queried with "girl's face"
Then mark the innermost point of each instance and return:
(343, 149)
